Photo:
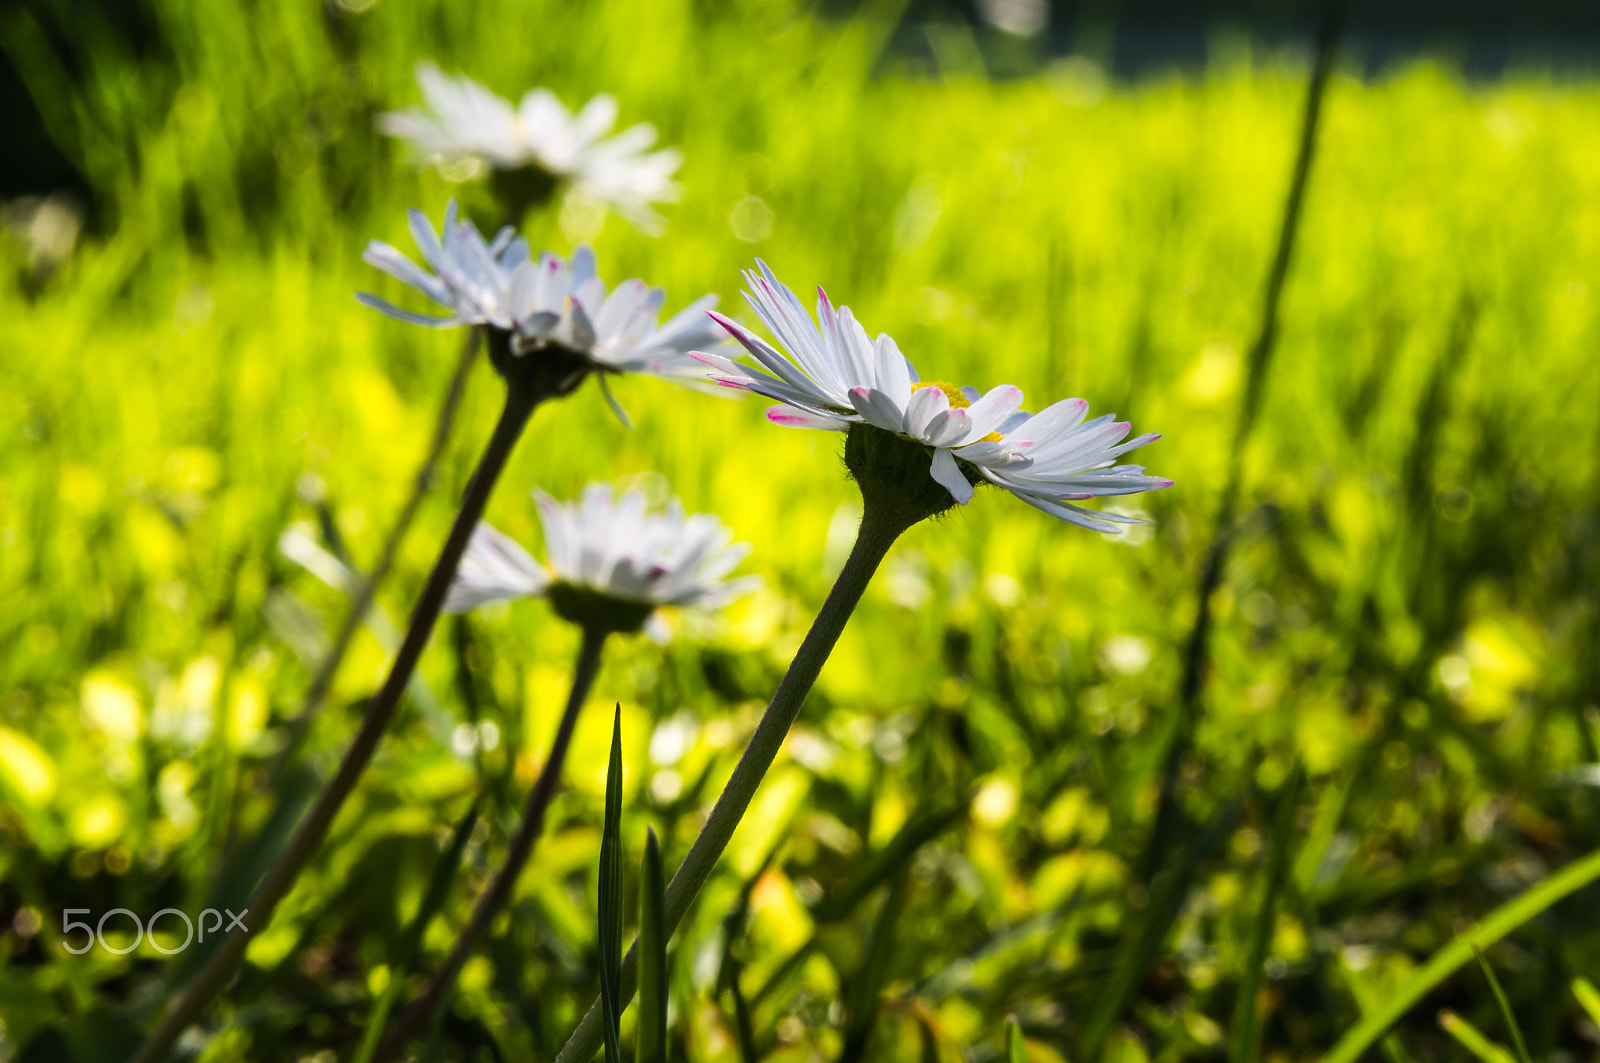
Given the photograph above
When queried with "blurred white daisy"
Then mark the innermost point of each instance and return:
(545, 301)
(463, 120)
(835, 377)
(611, 560)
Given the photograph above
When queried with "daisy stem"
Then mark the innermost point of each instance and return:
(882, 522)
(492, 899)
(188, 1005)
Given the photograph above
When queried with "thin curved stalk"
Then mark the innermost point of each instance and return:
(494, 898)
(213, 977)
(880, 527)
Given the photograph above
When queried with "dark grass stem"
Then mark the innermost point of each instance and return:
(881, 525)
(366, 589)
(204, 987)
(1245, 1046)
(1196, 657)
(494, 898)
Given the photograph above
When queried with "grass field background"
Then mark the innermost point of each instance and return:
(1405, 653)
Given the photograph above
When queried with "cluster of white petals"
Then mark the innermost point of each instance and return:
(611, 544)
(464, 120)
(830, 375)
(543, 301)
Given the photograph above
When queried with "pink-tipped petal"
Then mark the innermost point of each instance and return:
(789, 417)
(726, 322)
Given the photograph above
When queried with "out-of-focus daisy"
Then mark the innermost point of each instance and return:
(463, 120)
(545, 302)
(835, 377)
(612, 562)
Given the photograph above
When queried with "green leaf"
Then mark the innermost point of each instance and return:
(433, 898)
(1505, 1007)
(1472, 1039)
(1500, 922)
(650, 1045)
(611, 898)
(1014, 1050)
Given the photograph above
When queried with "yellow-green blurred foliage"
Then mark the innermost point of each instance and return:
(1408, 615)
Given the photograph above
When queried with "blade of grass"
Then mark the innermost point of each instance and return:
(611, 898)
(1588, 997)
(1505, 1006)
(1368, 999)
(874, 973)
(1472, 1039)
(743, 1024)
(650, 1045)
(444, 872)
(1246, 1014)
(1496, 925)
(1014, 1049)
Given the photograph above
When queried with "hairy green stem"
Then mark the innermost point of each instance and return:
(498, 892)
(213, 977)
(882, 522)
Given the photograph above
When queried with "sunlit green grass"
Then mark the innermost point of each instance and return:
(1409, 615)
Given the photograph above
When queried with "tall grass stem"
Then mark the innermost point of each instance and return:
(1197, 647)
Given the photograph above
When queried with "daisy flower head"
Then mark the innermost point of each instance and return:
(829, 375)
(613, 562)
(465, 122)
(551, 317)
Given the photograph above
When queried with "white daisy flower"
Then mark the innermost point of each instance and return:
(834, 377)
(544, 301)
(611, 561)
(464, 120)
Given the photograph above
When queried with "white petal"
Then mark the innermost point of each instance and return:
(878, 409)
(893, 370)
(408, 316)
(988, 412)
(948, 474)
(925, 404)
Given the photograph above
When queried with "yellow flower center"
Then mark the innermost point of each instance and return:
(958, 401)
